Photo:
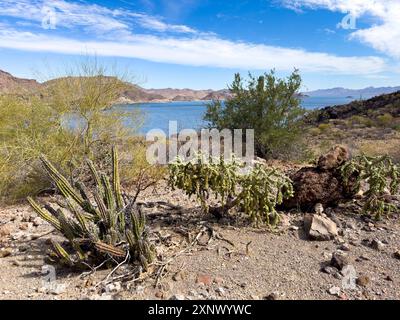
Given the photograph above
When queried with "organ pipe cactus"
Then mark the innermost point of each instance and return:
(99, 224)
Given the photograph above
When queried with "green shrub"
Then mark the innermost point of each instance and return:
(100, 225)
(256, 192)
(268, 105)
(382, 176)
(385, 120)
(315, 131)
(325, 127)
(360, 120)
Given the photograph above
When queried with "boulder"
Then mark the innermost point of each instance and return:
(334, 158)
(321, 184)
(319, 228)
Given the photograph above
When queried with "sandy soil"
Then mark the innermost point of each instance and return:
(232, 260)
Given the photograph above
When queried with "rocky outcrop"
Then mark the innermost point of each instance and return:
(321, 184)
(11, 84)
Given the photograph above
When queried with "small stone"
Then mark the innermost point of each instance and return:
(330, 270)
(177, 297)
(180, 275)
(5, 230)
(272, 296)
(24, 247)
(364, 258)
(345, 247)
(16, 263)
(293, 228)
(335, 291)
(377, 245)
(24, 226)
(204, 279)
(339, 260)
(42, 290)
(113, 287)
(220, 291)
(389, 278)
(58, 289)
(37, 221)
(5, 252)
(219, 280)
(397, 254)
(159, 294)
(363, 280)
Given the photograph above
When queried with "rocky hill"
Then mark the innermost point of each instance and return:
(371, 108)
(11, 84)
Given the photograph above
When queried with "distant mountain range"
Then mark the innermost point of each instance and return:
(357, 94)
(132, 94)
(137, 94)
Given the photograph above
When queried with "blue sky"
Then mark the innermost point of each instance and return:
(202, 43)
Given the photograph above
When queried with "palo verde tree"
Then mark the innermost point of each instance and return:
(267, 104)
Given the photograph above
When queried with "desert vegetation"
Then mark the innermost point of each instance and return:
(68, 151)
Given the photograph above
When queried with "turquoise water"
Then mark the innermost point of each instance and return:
(189, 115)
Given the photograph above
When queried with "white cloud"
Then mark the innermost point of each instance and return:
(384, 36)
(198, 51)
(113, 36)
(91, 16)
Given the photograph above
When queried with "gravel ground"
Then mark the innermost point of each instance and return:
(232, 260)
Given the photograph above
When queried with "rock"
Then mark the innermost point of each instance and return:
(42, 290)
(294, 228)
(220, 291)
(113, 287)
(25, 226)
(37, 221)
(319, 208)
(330, 270)
(177, 297)
(345, 247)
(389, 278)
(334, 158)
(319, 228)
(180, 275)
(363, 281)
(219, 280)
(322, 184)
(397, 254)
(5, 252)
(5, 230)
(58, 289)
(335, 291)
(377, 245)
(272, 296)
(339, 260)
(204, 279)
(16, 263)
(159, 294)
(350, 225)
